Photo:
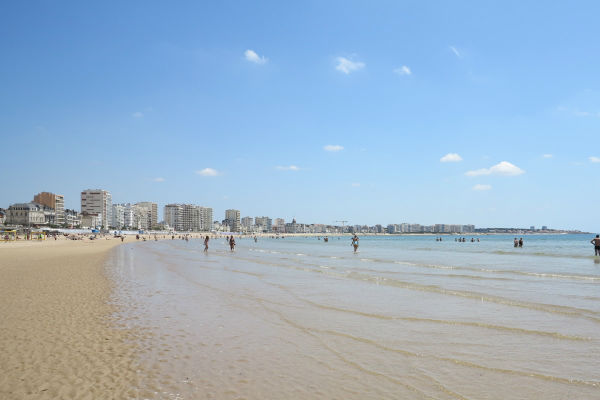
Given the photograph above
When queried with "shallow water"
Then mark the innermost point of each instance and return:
(405, 317)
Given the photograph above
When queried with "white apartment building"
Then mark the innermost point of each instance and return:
(97, 201)
(188, 217)
(264, 224)
(232, 219)
(152, 210)
(247, 222)
(118, 216)
(172, 214)
(279, 225)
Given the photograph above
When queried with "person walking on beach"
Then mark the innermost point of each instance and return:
(232, 243)
(206, 239)
(355, 243)
(596, 243)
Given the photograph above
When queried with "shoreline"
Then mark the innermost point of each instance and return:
(59, 337)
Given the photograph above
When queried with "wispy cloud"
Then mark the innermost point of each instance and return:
(451, 157)
(455, 51)
(403, 70)
(594, 159)
(137, 114)
(288, 168)
(254, 58)
(347, 66)
(480, 187)
(503, 168)
(548, 155)
(158, 179)
(356, 184)
(208, 172)
(577, 113)
(333, 147)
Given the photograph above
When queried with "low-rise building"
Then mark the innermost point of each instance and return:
(27, 214)
(91, 220)
(72, 218)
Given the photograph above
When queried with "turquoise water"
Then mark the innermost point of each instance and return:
(405, 317)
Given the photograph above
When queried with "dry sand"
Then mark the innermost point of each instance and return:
(59, 338)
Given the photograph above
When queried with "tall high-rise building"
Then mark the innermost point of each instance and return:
(118, 216)
(207, 219)
(264, 224)
(279, 225)
(54, 201)
(232, 219)
(97, 201)
(172, 214)
(247, 222)
(152, 209)
(188, 217)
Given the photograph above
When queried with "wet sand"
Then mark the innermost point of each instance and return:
(298, 319)
(58, 337)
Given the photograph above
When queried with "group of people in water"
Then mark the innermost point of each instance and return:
(460, 239)
(230, 240)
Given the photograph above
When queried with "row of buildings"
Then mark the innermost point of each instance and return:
(98, 211)
(437, 228)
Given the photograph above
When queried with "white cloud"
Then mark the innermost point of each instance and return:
(208, 172)
(582, 113)
(253, 57)
(455, 51)
(346, 66)
(503, 168)
(595, 159)
(158, 179)
(480, 187)
(548, 155)
(288, 168)
(451, 157)
(333, 147)
(137, 114)
(403, 70)
(356, 184)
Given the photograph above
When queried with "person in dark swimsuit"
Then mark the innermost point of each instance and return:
(521, 242)
(206, 239)
(355, 243)
(596, 243)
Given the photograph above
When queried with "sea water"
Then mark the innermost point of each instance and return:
(405, 317)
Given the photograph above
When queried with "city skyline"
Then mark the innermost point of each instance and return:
(394, 112)
(48, 209)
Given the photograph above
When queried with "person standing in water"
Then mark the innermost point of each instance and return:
(206, 239)
(596, 242)
(521, 242)
(516, 242)
(355, 243)
(232, 243)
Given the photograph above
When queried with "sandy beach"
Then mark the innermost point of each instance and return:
(58, 339)
(280, 319)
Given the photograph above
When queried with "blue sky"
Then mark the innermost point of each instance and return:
(139, 98)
